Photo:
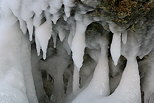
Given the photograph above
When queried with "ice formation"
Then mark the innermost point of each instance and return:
(43, 35)
(64, 51)
(116, 42)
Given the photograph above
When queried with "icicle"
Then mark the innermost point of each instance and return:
(38, 48)
(116, 42)
(61, 33)
(124, 37)
(37, 20)
(26, 11)
(67, 7)
(64, 17)
(55, 17)
(55, 5)
(116, 47)
(78, 43)
(43, 34)
(23, 26)
(30, 28)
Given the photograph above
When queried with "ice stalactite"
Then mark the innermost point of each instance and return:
(43, 34)
(78, 42)
(78, 45)
(55, 6)
(124, 37)
(37, 20)
(26, 14)
(38, 47)
(61, 33)
(30, 28)
(68, 4)
(99, 85)
(23, 26)
(116, 42)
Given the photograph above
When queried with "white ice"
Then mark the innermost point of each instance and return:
(99, 85)
(124, 37)
(78, 42)
(43, 35)
(116, 42)
(68, 4)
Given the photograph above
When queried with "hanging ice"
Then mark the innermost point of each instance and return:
(67, 6)
(78, 43)
(43, 34)
(124, 37)
(55, 6)
(30, 28)
(61, 33)
(99, 85)
(23, 26)
(116, 42)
